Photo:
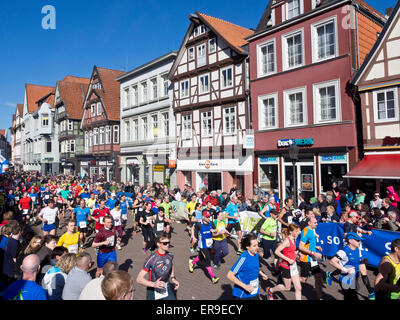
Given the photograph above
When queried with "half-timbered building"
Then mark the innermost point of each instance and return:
(210, 101)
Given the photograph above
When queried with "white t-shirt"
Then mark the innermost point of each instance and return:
(116, 216)
(92, 291)
(49, 214)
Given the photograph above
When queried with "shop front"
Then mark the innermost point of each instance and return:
(98, 169)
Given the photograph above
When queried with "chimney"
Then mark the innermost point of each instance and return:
(388, 12)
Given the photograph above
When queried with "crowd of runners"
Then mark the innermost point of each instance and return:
(77, 213)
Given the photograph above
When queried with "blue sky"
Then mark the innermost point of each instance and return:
(121, 34)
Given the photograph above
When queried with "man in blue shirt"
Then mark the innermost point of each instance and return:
(26, 288)
(110, 203)
(82, 213)
(233, 221)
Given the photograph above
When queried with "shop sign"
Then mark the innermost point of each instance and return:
(171, 164)
(102, 163)
(391, 141)
(48, 159)
(307, 182)
(208, 164)
(336, 158)
(158, 168)
(285, 143)
(84, 163)
(269, 160)
(248, 141)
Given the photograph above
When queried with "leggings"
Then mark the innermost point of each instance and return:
(148, 236)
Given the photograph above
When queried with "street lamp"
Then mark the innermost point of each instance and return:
(294, 156)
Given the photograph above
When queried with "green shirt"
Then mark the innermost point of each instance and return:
(113, 189)
(166, 207)
(270, 225)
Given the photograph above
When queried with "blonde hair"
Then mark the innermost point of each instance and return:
(115, 284)
(32, 246)
(331, 208)
(317, 212)
(66, 262)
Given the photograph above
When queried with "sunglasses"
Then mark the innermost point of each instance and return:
(165, 243)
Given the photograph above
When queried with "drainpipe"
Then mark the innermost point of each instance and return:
(357, 7)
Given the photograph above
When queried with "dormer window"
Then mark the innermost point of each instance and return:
(45, 120)
(196, 32)
(96, 86)
(293, 8)
(93, 110)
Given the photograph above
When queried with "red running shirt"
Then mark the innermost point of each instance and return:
(289, 252)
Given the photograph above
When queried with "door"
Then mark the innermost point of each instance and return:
(305, 180)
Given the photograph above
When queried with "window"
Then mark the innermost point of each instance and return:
(95, 136)
(295, 107)
(70, 125)
(154, 88)
(145, 128)
(116, 134)
(135, 129)
(206, 124)
(204, 84)
(127, 98)
(202, 29)
(266, 60)
(196, 32)
(185, 89)
(226, 78)
(165, 117)
(267, 108)
(191, 54)
(229, 120)
(187, 126)
(86, 141)
(93, 110)
(90, 138)
(45, 120)
(127, 131)
(293, 8)
(293, 50)
(154, 123)
(101, 135)
(165, 85)
(145, 96)
(108, 134)
(48, 146)
(201, 55)
(212, 45)
(386, 105)
(326, 102)
(324, 40)
(135, 94)
(72, 145)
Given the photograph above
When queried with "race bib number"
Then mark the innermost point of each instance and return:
(124, 216)
(160, 226)
(313, 262)
(161, 293)
(140, 209)
(82, 224)
(47, 197)
(348, 281)
(209, 242)
(73, 249)
(148, 219)
(51, 220)
(11, 203)
(290, 219)
(111, 240)
(101, 220)
(293, 270)
(254, 284)
(16, 198)
(25, 211)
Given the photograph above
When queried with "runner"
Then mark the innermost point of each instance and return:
(287, 252)
(189, 210)
(48, 215)
(205, 243)
(105, 242)
(233, 221)
(70, 239)
(309, 260)
(269, 231)
(82, 214)
(99, 214)
(245, 273)
(26, 207)
(348, 260)
(162, 284)
(116, 213)
(146, 220)
(138, 209)
(194, 234)
(387, 286)
(220, 244)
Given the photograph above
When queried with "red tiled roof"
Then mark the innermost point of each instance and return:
(20, 108)
(370, 9)
(3, 132)
(111, 92)
(235, 35)
(35, 93)
(72, 92)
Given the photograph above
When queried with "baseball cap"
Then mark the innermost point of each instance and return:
(354, 214)
(206, 214)
(352, 235)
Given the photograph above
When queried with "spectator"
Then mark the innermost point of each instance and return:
(26, 288)
(78, 277)
(33, 247)
(359, 198)
(56, 255)
(387, 206)
(330, 215)
(117, 285)
(44, 253)
(322, 203)
(391, 221)
(92, 291)
(376, 202)
(54, 280)
(392, 195)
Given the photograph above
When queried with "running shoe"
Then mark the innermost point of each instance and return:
(215, 280)
(371, 296)
(328, 278)
(192, 251)
(216, 266)
(270, 296)
(119, 247)
(190, 265)
(239, 252)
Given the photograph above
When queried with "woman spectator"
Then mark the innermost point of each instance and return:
(330, 215)
(376, 202)
(33, 247)
(392, 195)
(54, 280)
(117, 285)
(317, 214)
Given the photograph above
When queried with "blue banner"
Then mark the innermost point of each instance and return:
(373, 247)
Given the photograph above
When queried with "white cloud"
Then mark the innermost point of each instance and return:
(10, 104)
